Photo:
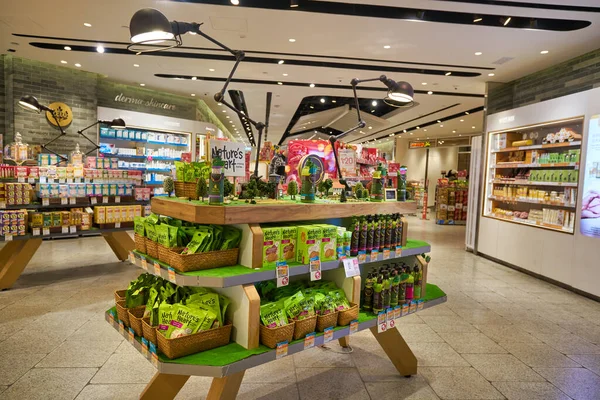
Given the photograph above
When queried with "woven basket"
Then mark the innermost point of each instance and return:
(122, 312)
(190, 344)
(148, 330)
(164, 253)
(140, 243)
(349, 315)
(304, 327)
(271, 336)
(151, 248)
(199, 261)
(186, 189)
(327, 321)
(135, 319)
(120, 295)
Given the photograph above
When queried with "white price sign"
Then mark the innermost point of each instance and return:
(351, 267)
(283, 278)
(233, 155)
(347, 162)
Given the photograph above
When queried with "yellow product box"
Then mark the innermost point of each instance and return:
(85, 221)
(125, 214)
(36, 219)
(66, 218)
(328, 242)
(271, 244)
(289, 236)
(309, 243)
(137, 211)
(99, 215)
(131, 213)
(110, 215)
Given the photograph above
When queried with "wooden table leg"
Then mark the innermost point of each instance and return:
(14, 257)
(225, 388)
(397, 350)
(164, 386)
(120, 242)
(355, 285)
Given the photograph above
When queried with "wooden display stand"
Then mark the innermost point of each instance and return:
(16, 254)
(244, 309)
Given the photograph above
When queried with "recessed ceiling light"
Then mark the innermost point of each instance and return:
(227, 116)
(507, 20)
(477, 19)
(136, 65)
(374, 103)
(478, 53)
(87, 24)
(466, 112)
(418, 127)
(280, 62)
(430, 92)
(410, 133)
(473, 127)
(491, 74)
(211, 69)
(291, 40)
(67, 48)
(372, 111)
(405, 131)
(312, 106)
(423, 83)
(448, 73)
(285, 74)
(441, 126)
(462, 120)
(142, 84)
(312, 85)
(424, 130)
(63, 62)
(219, 104)
(544, 52)
(427, 138)
(194, 78)
(100, 49)
(224, 110)
(193, 94)
(280, 83)
(235, 2)
(439, 121)
(453, 131)
(334, 101)
(322, 100)
(77, 65)
(370, 127)
(387, 46)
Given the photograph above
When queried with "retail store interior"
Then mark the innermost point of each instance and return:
(300, 199)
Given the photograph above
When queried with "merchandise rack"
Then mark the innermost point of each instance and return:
(237, 283)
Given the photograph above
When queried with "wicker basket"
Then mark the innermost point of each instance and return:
(140, 243)
(164, 253)
(135, 319)
(148, 331)
(327, 321)
(349, 315)
(304, 327)
(201, 341)
(271, 336)
(199, 261)
(120, 295)
(186, 189)
(151, 248)
(122, 312)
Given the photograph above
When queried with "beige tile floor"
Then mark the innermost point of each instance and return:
(501, 335)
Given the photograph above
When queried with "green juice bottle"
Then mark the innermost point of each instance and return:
(395, 288)
(386, 291)
(377, 295)
(402, 288)
(418, 276)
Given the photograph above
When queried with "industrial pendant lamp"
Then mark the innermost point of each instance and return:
(116, 123)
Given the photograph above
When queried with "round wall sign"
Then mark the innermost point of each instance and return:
(63, 113)
(318, 163)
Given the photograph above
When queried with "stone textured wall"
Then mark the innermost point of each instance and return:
(572, 76)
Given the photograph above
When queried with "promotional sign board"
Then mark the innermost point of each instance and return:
(233, 155)
(590, 204)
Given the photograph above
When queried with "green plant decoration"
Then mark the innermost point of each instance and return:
(227, 187)
(168, 185)
(343, 197)
(201, 188)
(252, 189)
(292, 189)
(327, 185)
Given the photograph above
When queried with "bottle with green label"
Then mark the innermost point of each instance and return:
(377, 295)
(418, 275)
(370, 233)
(394, 232)
(368, 293)
(410, 285)
(388, 231)
(362, 243)
(394, 289)
(355, 237)
(402, 288)
(386, 291)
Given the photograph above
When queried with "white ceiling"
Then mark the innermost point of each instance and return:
(315, 34)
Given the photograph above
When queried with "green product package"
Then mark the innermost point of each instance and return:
(232, 237)
(339, 297)
(162, 233)
(328, 242)
(326, 305)
(272, 315)
(289, 235)
(297, 308)
(139, 226)
(195, 244)
(271, 245)
(213, 302)
(151, 231)
(173, 232)
(179, 170)
(178, 320)
(152, 219)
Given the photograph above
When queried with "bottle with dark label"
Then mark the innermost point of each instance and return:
(394, 288)
(399, 230)
(368, 293)
(370, 233)
(355, 237)
(410, 285)
(402, 286)
(394, 232)
(362, 243)
(377, 295)
(388, 231)
(386, 291)
(418, 276)
(376, 232)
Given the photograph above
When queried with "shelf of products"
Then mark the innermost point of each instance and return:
(531, 169)
(451, 202)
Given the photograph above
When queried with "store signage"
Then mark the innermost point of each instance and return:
(347, 162)
(233, 155)
(62, 112)
(419, 145)
(121, 98)
(590, 204)
(506, 120)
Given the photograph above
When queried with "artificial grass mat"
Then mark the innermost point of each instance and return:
(234, 352)
(265, 202)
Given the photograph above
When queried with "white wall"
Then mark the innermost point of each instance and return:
(570, 259)
(440, 158)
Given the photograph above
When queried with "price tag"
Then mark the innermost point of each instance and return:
(397, 312)
(117, 225)
(131, 257)
(386, 254)
(353, 327)
(65, 229)
(351, 267)
(64, 201)
(46, 231)
(88, 180)
(21, 179)
(328, 334)
(145, 347)
(121, 327)
(405, 309)
(153, 355)
(381, 322)
(362, 256)
(315, 269)
(282, 350)
(35, 231)
(43, 179)
(30, 180)
(309, 341)
(413, 307)
(144, 263)
(420, 304)
(389, 316)
(172, 276)
(62, 180)
(104, 199)
(94, 200)
(156, 269)
(374, 255)
(282, 271)
(3, 204)
(72, 200)
(398, 251)
(111, 318)
(117, 199)
(45, 201)
(73, 229)
(131, 336)
(8, 238)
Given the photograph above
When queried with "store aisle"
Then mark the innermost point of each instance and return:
(502, 334)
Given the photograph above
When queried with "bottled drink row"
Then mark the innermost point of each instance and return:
(391, 285)
(375, 232)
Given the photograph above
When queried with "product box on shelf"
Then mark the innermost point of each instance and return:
(328, 242)
(271, 246)
(309, 243)
(289, 236)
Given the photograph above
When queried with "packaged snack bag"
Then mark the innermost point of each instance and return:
(289, 236)
(232, 237)
(297, 308)
(184, 320)
(271, 244)
(162, 233)
(309, 243)
(340, 300)
(272, 315)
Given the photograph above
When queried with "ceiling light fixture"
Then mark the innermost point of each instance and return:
(405, 131)
(100, 49)
(410, 133)
(387, 46)
(466, 112)
(293, 3)
(418, 127)
(462, 120)
(136, 65)
(506, 21)
(544, 52)
(370, 127)
(439, 121)
(448, 73)
(430, 92)
(322, 100)
(77, 65)
(224, 111)
(291, 40)
(280, 83)
(63, 62)
(374, 103)
(193, 94)
(285, 74)
(312, 85)
(477, 18)
(423, 83)
(491, 74)
(473, 127)
(334, 101)
(87, 24)
(280, 62)
(441, 126)
(142, 84)
(478, 53)
(453, 131)
(235, 2)
(67, 48)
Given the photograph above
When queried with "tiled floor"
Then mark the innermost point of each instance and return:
(501, 335)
